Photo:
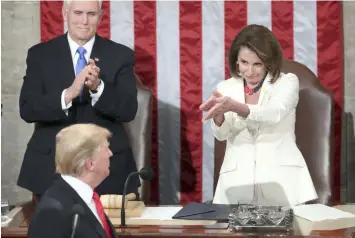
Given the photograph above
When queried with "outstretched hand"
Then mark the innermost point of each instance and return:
(216, 105)
(211, 101)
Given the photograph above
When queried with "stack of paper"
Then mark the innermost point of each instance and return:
(160, 216)
(159, 213)
(321, 217)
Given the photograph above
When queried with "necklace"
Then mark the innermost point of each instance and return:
(251, 91)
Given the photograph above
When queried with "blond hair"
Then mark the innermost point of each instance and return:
(76, 144)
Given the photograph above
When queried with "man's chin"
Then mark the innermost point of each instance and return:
(85, 37)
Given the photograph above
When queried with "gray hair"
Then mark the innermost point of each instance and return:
(67, 2)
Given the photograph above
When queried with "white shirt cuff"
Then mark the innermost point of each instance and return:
(64, 106)
(224, 128)
(95, 96)
(220, 132)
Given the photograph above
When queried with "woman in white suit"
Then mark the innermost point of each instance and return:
(255, 112)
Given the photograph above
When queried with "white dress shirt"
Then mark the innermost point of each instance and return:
(75, 56)
(84, 191)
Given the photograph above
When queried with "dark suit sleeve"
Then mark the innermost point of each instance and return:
(119, 99)
(49, 223)
(37, 105)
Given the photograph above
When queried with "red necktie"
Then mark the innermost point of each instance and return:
(100, 211)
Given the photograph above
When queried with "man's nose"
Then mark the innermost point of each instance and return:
(84, 19)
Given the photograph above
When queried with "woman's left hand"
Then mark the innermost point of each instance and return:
(222, 105)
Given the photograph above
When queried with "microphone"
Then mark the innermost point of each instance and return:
(145, 173)
(78, 211)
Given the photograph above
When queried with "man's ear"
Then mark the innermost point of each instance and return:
(101, 15)
(65, 13)
(89, 165)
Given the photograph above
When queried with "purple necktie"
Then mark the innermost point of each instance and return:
(80, 65)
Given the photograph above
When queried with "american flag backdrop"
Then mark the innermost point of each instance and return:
(181, 54)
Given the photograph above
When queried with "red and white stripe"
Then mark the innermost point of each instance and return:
(181, 54)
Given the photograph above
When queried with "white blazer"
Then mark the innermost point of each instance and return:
(262, 163)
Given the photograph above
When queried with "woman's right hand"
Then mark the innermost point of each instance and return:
(211, 103)
(206, 106)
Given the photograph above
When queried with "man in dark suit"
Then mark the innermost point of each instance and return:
(83, 160)
(78, 77)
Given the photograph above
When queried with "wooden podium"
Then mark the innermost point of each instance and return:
(21, 215)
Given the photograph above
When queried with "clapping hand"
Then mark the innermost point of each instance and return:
(92, 80)
(211, 101)
(216, 105)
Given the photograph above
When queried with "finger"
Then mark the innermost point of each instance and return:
(220, 99)
(91, 62)
(207, 116)
(204, 105)
(208, 104)
(216, 93)
(88, 77)
(94, 78)
(97, 69)
(85, 71)
(88, 83)
(94, 68)
(211, 113)
(93, 72)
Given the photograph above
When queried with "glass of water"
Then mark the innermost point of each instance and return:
(4, 207)
(4, 212)
(243, 215)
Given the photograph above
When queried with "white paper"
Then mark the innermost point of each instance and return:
(159, 213)
(350, 207)
(320, 212)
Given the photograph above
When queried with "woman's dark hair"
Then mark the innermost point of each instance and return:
(263, 43)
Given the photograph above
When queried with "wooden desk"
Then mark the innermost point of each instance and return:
(18, 229)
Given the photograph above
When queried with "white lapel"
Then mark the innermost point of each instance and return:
(237, 91)
(266, 90)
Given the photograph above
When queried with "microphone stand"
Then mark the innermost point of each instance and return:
(76, 218)
(123, 212)
(78, 211)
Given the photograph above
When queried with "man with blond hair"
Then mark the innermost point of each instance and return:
(78, 77)
(82, 159)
